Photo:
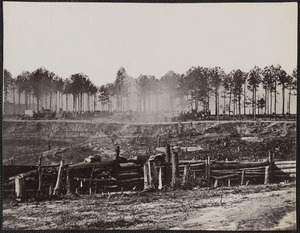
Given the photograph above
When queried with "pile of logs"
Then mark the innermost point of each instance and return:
(160, 171)
(172, 172)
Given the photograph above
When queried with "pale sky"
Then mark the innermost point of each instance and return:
(98, 38)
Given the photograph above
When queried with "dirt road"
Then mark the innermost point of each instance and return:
(261, 207)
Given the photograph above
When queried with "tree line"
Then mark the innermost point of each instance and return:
(193, 91)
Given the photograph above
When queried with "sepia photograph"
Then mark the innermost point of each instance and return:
(149, 116)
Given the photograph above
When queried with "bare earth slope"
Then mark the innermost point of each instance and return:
(250, 140)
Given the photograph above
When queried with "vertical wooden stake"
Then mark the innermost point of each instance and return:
(160, 179)
(271, 168)
(149, 173)
(243, 178)
(168, 165)
(40, 173)
(208, 171)
(20, 187)
(90, 182)
(155, 174)
(168, 154)
(59, 177)
(267, 175)
(50, 190)
(174, 160)
(216, 183)
(186, 174)
(145, 176)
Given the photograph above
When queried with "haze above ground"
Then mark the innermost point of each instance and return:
(98, 38)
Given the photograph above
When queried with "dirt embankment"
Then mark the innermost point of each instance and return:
(22, 140)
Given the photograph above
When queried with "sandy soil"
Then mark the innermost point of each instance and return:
(261, 207)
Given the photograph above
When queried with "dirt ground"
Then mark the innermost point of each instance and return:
(260, 207)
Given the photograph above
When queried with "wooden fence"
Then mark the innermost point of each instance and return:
(161, 171)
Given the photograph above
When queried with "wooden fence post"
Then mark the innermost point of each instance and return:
(90, 182)
(186, 174)
(168, 154)
(174, 160)
(155, 174)
(208, 171)
(68, 182)
(145, 176)
(149, 174)
(40, 173)
(243, 178)
(20, 187)
(160, 178)
(59, 177)
(267, 178)
(168, 165)
(271, 169)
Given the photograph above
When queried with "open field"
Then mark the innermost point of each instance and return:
(260, 207)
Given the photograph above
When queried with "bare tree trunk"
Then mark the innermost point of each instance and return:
(67, 102)
(144, 98)
(149, 103)
(245, 98)
(271, 102)
(61, 105)
(229, 106)
(88, 104)
(240, 106)
(74, 103)
(266, 105)
(95, 102)
(283, 98)
(50, 100)
(26, 100)
(253, 102)
(289, 105)
(275, 101)
(19, 102)
(156, 102)
(46, 101)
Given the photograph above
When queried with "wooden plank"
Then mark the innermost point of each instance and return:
(291, 170)
(131, 180)
(215, 166)
(225, 177)
(23, 175)
(285, 162)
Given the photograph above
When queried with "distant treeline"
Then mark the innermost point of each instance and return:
(200, 89)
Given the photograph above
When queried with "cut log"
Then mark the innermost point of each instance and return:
(91, 165)
(131, 180)
(216, 166)
(174, 160)
(145, 176)
(160, 178)
(129, 165)
(24, 175)
(186, 174)
(285, 162)
(20, 187)
(225, 177)
(128, 175)
(243, 178)
(59, 177)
